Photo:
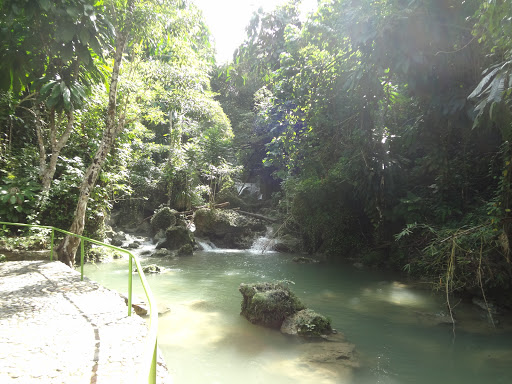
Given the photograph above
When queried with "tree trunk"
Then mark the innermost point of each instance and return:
(69, 245)
(261, 217)
(67, 249)
(47, 171)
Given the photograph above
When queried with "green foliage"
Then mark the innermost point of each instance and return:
(364, 115)
(325, 213)
(463, 258)
(31, 239)
(18, 199)
(62, 48)
(493, 30)
(57, 207)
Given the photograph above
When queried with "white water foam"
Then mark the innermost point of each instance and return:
(263, 244)
(207, 246)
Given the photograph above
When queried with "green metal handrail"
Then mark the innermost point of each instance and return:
(151, 345)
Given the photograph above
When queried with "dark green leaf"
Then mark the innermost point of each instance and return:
(84, 36)
(72, 11)
(483, 83)
(498, 86)
(66, 94)
(45, 89)
(67, 52)
(45, 4)
(66, 33)
(95, 46)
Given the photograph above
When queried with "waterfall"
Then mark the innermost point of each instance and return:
(264, 243)
(206, 245)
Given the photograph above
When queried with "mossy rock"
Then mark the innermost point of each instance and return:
(163, 218)
(163, 252)
(268, 304)
(101, 255)
(231, 196)
(306, 323)
(227, 228)
(186, 250)
(175, 238)
(151, 268)
(288, 244)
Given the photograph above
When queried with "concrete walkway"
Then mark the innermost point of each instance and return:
(55, 328)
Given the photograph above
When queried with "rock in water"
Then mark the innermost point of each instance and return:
(152, 268)
(288, 244)
(306, 323)
(162, 219)
(175, 238)
(331, 349)
(186, 250)
(163, 252)
(268, 304)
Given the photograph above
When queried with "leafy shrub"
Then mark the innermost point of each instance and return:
(17, 199)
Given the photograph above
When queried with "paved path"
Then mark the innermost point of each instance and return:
(55, 328)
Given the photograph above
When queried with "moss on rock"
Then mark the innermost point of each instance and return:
(227, 228)
(163, 218)
(101, 255)
(176, 237)
(186, 250)
(306, 323)
(268, 304)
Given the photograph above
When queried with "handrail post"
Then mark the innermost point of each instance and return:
(152, 370)
(82, 251)
(51, 246)
(130, 278)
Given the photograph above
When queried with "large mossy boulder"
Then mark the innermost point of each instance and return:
(227, 228)
(175, 238)
(186, 250)
(288, 244)
(306, 323)
(162, 219)
(268, 304)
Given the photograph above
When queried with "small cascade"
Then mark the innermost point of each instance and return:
(207, 246)
(264, 243)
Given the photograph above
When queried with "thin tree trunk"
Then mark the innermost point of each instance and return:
(47, 171)
(40, 142)
(69, 245)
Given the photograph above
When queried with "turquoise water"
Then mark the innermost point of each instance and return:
(205, 340)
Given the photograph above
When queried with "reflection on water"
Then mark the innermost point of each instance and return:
(395, 329)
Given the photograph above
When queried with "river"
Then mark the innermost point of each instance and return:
(205, 340)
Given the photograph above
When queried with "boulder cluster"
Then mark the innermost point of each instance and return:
(274, 305)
